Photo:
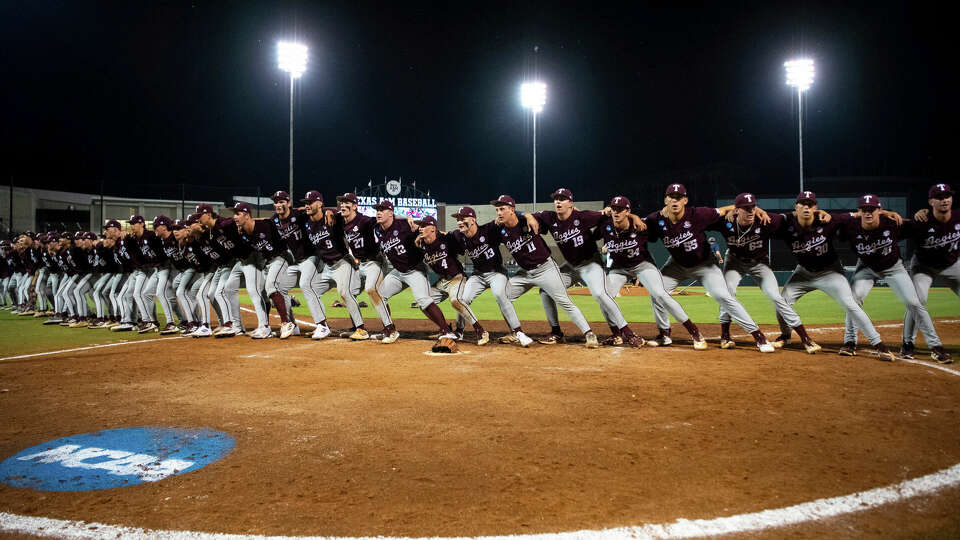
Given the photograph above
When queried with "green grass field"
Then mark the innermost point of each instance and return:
(24, 335)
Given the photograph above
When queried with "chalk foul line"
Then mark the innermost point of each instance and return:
(88, 348)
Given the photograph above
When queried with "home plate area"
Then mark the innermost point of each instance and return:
(356, 439)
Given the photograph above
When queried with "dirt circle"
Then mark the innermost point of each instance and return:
(345, 438)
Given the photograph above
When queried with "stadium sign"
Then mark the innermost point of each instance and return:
(406, 198)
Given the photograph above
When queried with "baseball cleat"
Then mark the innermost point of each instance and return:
(884, 354)
(592, 342)
(766, 347)
(26, 312)
(699, 343)
(451, 335)
(53, 320)
(39, 314)
(613, 341)
(780, 341)
(287, 330)
(811, 347)
(378, 336)
(81, 324)
(201, 332)
(906, 350)
(148, 327)
(122, 327)
(509, 339)
(321, 332)
(394, 336)
(636, 341)
(730, 344)
(170, 328)
(263, 332)
(226, 332)
(523, 339)
(551, 339)
(660, 341)
(848, 349)
(940, 356)
(359, 335)
(484, 338)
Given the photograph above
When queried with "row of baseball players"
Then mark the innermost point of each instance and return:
(197, 264)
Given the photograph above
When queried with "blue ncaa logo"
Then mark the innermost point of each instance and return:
(114, 458)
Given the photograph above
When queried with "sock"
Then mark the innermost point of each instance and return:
(625, 331)
(802, 332)
(725, 331)
(665, 332)
(279, 303)
(616, 331)
(555, 330)
(478, 328)
(389, 329)
(694, 331)
(759, 337)
(434, 314)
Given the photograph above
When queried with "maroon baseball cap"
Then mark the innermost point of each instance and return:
(384, 205)
(177, 225)
(745, 200)
(807, 196)
(348, 197)
(193, 219)
(504, 200)
(562, 193)
(53, 236)
(677, 189)
(312, 196)
(465, 211)
(243, 207)
(427, 220)
(162, 220)
(280, 196)
(78, 235)
(112, 223)
(619, 202)
(89, 236)
(869, 201)
(136, 219)
(204, 209)
(939, 190)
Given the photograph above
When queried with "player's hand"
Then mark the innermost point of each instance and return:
(761, 214)
(413, 224)
(330, 217)
(897, 218)
(922, 215)
(532, 223)
(823, 215)
(637, 222)
(665, 212)
(607, 211)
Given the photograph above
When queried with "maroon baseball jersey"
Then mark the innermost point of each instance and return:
(293, 233)
(686, 240)
(225, 233)
(626, 247)
(327, 241)
(528, 249)
(937, 244)
(78, 260)
(876, 248)
(398, 243)
(107, 261)
(174, 252)
(196, 257)
(130, 252)
(265, 239)
(749, 243)
(151, 249)
(360, 237)
(442, 254)
(483, 248)
(572, 234)
(813, 245)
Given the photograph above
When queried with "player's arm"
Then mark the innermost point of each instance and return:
(922, 215)
(532, 222)
(413, 224)
(893, 216)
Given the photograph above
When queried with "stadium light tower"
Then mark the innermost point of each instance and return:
(533, 96)
(800, 75)
(293, 59)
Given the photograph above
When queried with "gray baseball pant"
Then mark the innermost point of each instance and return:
(899, 280)
(53, 283)
(396, 281)
(113, 288)
(711, 277)
(735, 268)
(145, 293)
(455, 288)
(23, 288)
(832, 282)
(650, 277)
(497, 283)
(547, 276)
(66, 294)
(307, 271)
(166, 294)
(340, 275)
(591, 274)
(205, 287)
(80, 290)
(99, 295)
(277, 279)
(373, 277)
(187, 302)
(922, 280)
(4, 291)
(39, 289)
(253, 279)
(128, 310)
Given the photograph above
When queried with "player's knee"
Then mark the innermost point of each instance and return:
(457, 305)
(374, 296)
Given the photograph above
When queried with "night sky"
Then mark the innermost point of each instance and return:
(137, 97)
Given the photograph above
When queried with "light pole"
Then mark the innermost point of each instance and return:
(292, 58)
(800, 75)
(533, 96)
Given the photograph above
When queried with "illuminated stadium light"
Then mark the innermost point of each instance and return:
(292, 58)
(800, 73)
(533, 96)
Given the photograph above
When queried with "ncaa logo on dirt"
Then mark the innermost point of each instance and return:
(114, 458)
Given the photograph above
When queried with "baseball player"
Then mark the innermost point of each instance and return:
(810, 238)
(331, 263)
(25, 245)
(482, 244)
(145, 275)
(875, 237)
(85, 260)
(682, 231)
(571, 229)
(626, 245)
(539, 269)
(937, 245)
(128, 251)
(358, 231)
(263, 236)
(76, 264)
(289, 223)
(5, 272)
(398, 243)
(186, 277)
(43, 270)
(748, 242)
(441, 253)
(113, 233)
(167, 271)
(207, 283)
(191, 294)
(105, 266)
(59, 246)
